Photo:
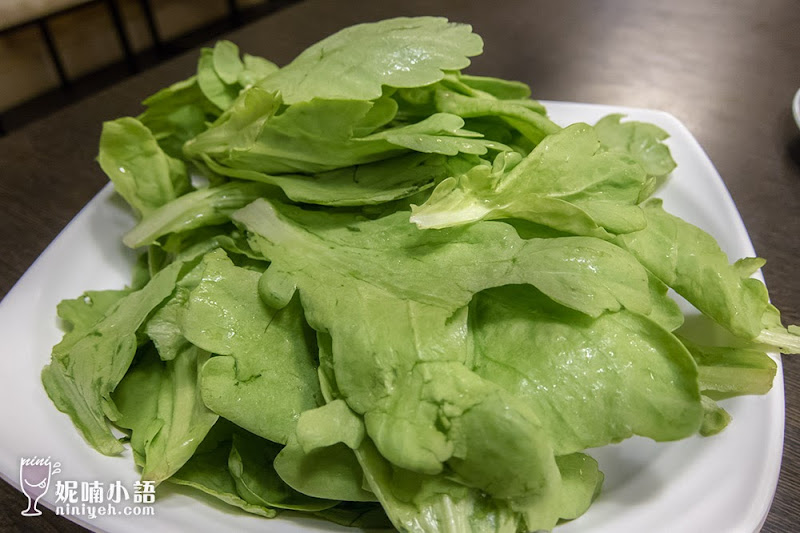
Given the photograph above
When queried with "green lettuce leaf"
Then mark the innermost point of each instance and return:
(255, 69)
(434, 503)
(725, 372)
(566, 183)
(204, 207)
(219, 92)
(399, 52)
(226, 62)
(141, 172)
(177, 113)
(591, 381)
(87, 368)
(639, 140)
(331, 472)
(208, 471)
(160, 403)
(264, 375)
(251, 465)
(414, 374)
(715, 418)
(530, 122)
(691, 262)
(258, 134)
(496, 87)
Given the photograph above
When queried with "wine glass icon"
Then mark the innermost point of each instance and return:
(34, 479)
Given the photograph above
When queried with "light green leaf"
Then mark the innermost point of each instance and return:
(255, 69)
(318, 136)
(177, 113)
(786, 340)
(565, 183)
(141, 172)
(208, 472)
(725, 372)
(83, 373)
(163, 327)
(226, 62)
(715, 418)
(441, 133)
(330, 472)
(81, 313)
(497, 87)
(530, 122)
(691, 262)
(328, 425)
(136, 398)
(215, 89)
(204, 207)
(161, 405)
(581, 481)
(422, 407)
(357, 62)
(257, 482)
(585, 274)
(372, 183)
(265, 373)
(591, 381)
(640, 140)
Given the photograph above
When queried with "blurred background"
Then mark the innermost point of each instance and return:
(54, 52)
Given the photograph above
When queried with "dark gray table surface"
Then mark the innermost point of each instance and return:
(726, 69)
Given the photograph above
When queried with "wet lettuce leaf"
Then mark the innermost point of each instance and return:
(416, 364)
(690, 261)
(399, 52)
(592, 381)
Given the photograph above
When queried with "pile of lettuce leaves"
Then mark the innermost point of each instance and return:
(382, 292)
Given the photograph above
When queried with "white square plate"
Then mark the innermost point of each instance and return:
(723, 483)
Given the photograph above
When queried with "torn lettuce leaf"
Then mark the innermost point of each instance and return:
(251, 463)
(417, 362)
(219, 92)
(588, 275)
(208, 471)
(725, 372)
(176, 114)
(432, 503)
(530, 122)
